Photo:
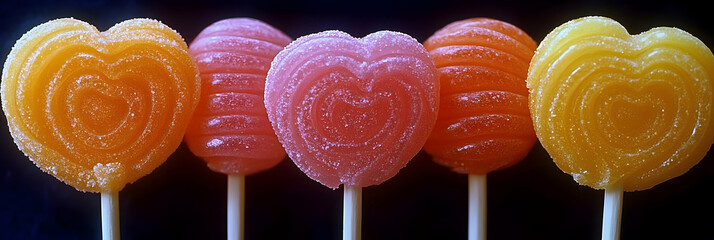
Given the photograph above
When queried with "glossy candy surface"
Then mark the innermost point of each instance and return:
(484, 123)
(352, 111)
(230, 129)
(614, 108)
(96, 109)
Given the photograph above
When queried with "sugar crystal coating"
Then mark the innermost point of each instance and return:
(614, 108)
(484, 123)
(96, 109)
(230, 130)
(352, 111)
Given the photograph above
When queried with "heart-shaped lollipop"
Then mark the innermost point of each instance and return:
(484, 123)
(230, 130)
(618, 109)
(96, 109)
(352, 111)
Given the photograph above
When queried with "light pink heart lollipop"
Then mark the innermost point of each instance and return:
(352, 111)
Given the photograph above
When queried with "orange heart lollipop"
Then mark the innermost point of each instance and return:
(98, 110)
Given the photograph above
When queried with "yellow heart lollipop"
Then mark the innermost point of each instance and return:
(618, 109)
(621, 112)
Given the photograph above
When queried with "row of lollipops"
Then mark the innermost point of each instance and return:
(618, 112)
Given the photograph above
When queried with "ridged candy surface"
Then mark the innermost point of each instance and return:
(484, 123)
(230, 129)
(352, 111)
(96, 109)
(614, 108)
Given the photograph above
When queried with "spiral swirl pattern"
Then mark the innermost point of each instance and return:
(484, 123)
(230, 129)
(99, 110)
(352, 111)
(611, 108)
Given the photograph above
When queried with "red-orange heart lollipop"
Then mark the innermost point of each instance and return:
(483, 122)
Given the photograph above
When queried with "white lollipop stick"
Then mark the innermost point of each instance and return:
(611, 213)
(352, 214)
(477, 207)
(236, 206)
(110, 216)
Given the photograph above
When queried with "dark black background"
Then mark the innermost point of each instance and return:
(182, 199)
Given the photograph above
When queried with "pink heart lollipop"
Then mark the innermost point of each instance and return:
(352, 111)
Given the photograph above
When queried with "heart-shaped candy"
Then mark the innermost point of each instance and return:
(612, 108)
(96, 109)
(230, 130)
(352, 111)
(484, 123)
